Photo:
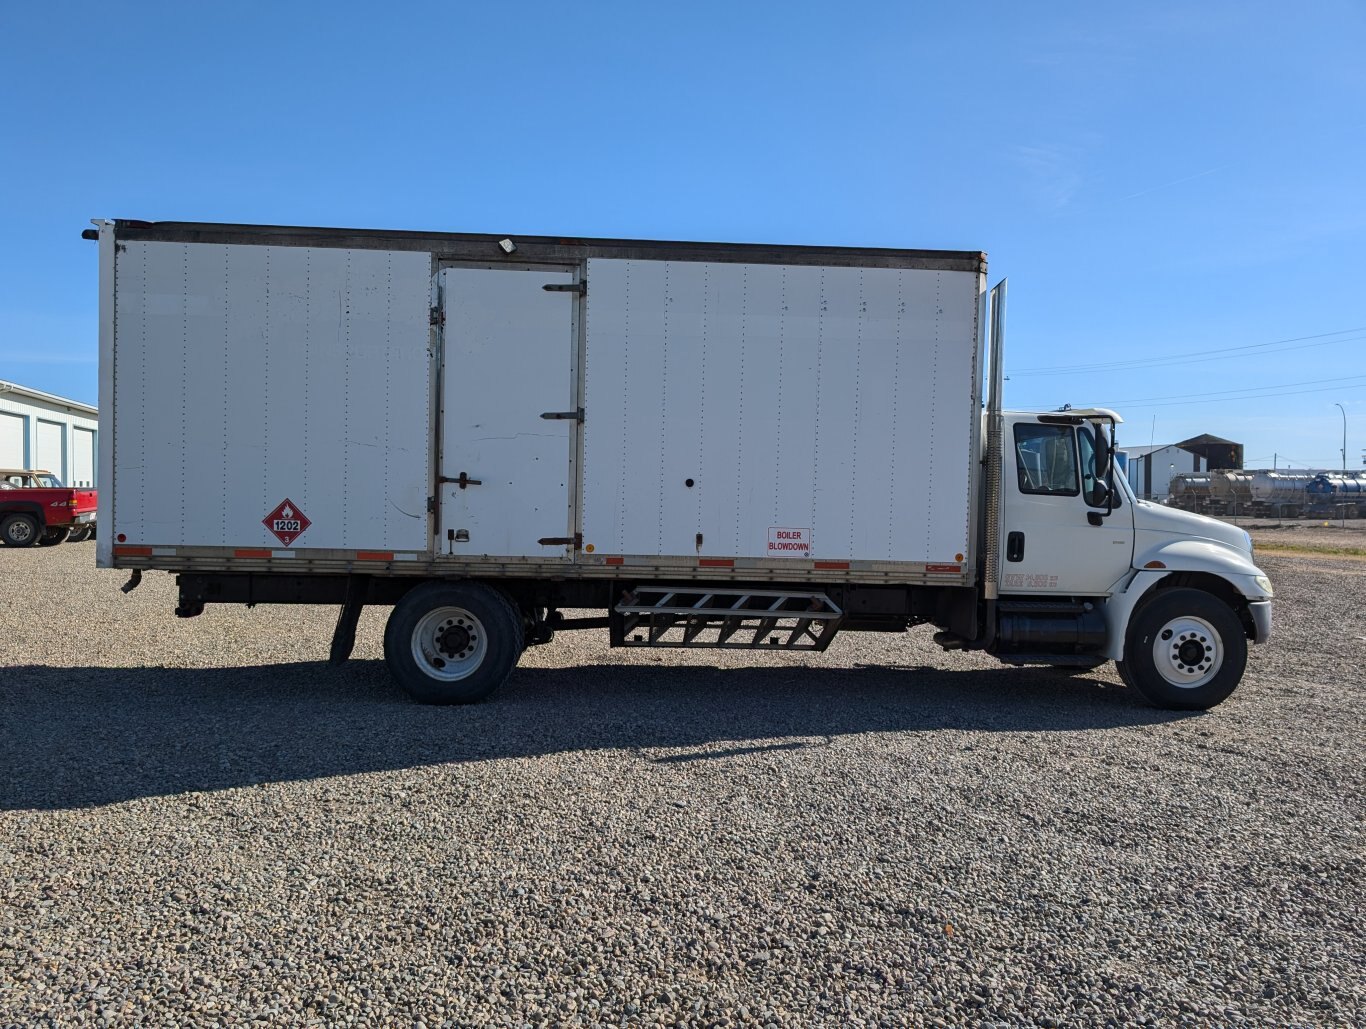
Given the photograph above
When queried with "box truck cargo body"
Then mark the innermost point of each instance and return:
(710, 444)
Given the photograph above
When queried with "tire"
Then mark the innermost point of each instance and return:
(452, 642)
(79, 534)
(1185, 651)
(54, 536)
(19, 530)
(1125, 676)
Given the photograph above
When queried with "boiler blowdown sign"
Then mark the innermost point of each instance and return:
(784, 542)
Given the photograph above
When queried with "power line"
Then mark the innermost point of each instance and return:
(1303, 464)
(1198, 356)
(1219, 350)
(1168, 362)
(1251, 392)
(1226, 400)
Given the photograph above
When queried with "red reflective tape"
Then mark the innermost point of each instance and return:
(251, 553)
(614, 560)
(932, 569)
(716, 562)
(374, 555)
(132, 551)
(832, 565)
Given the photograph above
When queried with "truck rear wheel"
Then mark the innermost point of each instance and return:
(19, 531)
(80, 534)
(452, 642)
(1185, 651)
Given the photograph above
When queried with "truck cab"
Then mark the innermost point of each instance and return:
(1171, 596)
(18, 478)
(35, 508)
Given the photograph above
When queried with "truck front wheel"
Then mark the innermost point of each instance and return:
(19, 531)
(452, 643)
(1185, 650)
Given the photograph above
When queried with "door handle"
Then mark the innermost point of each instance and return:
(1015, 546)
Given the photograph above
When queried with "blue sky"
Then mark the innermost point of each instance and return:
(1159, 181)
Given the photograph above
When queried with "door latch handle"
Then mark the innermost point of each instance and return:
(564, 416)
(462, 480)
(575, 541)
(1015, 546)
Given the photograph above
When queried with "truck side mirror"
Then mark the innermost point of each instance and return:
(1102, 492)
(1103, 455)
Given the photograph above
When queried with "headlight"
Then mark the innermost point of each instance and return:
(1265, 584)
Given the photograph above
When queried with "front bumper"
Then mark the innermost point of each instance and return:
(1261, 620)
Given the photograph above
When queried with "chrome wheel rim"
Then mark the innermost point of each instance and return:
(19, 531)
(1188, 652)
(449, 643)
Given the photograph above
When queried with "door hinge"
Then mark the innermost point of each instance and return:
(438, 316)
(575, 541)
(581, 288)
(564, 416)
(431, 505)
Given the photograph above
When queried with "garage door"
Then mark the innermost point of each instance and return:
(11, 440)
(49, 453)
(82, 457)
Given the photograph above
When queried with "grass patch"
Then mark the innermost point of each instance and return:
(1324, 549)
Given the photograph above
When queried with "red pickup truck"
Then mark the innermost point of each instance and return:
(36, 508)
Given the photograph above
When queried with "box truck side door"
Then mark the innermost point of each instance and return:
(505, 470)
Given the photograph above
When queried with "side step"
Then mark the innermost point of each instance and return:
(674, 616)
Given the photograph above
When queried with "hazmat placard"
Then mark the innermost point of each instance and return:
(287, 522)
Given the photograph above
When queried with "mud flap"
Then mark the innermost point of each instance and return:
(344, 636)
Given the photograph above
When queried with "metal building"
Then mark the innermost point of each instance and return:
(43, 430)
(1150, 469)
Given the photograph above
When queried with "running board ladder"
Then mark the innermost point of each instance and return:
(679, 616)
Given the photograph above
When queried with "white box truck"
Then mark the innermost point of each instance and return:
(706, 445)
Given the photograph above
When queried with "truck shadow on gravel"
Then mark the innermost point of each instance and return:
(79, 737)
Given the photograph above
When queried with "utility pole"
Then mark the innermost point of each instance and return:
(1344, 436)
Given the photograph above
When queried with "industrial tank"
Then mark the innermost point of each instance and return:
(1230, 490)
(1337, 493)
(1280, 487)
(1190, 491)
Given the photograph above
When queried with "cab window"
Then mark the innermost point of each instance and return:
(1095, 489)
(1046, 459)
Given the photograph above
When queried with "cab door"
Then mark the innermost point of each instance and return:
(509, 412)
(1056, 534)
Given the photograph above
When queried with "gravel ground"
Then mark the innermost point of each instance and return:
(201, 823)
